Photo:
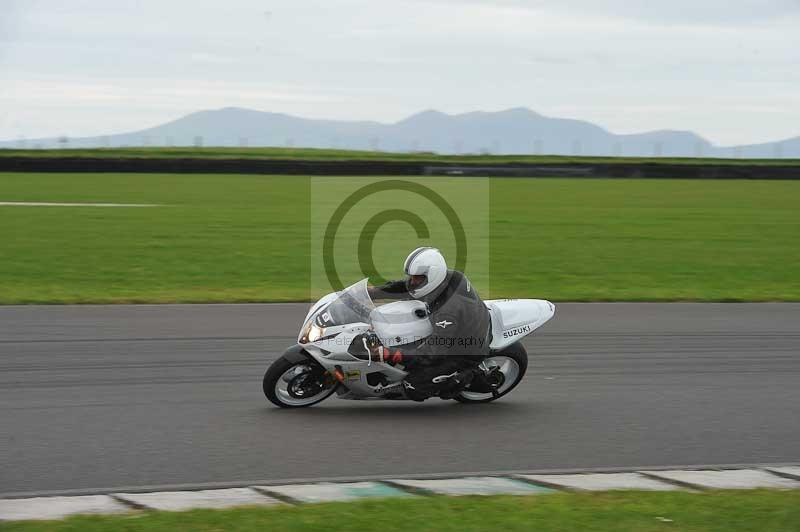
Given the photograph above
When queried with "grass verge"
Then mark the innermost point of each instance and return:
(246, 238)
(728, 511)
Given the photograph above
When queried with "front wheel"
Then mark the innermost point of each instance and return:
(511, 364)
(290, 384)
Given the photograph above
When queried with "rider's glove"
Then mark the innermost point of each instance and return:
(392, 358)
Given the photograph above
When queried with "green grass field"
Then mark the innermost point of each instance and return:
(211, 152)
(238, 238)
(743, 511)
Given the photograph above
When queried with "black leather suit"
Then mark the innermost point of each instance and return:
(460, 336)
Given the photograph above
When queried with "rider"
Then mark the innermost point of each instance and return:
(444, 361)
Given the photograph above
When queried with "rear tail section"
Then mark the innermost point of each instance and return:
(513, 319)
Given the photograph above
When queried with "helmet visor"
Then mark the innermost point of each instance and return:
(415, 282)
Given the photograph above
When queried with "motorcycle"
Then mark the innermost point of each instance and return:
(345, 343)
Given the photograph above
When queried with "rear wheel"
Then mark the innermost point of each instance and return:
(297, 384)
(510, 366)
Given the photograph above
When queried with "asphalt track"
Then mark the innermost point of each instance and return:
(102, 397)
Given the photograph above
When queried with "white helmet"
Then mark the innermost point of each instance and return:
(426, 271)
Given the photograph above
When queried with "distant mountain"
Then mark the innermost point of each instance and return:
(513, 131)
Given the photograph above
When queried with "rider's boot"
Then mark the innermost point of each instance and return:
(457, 383)
(480, 383)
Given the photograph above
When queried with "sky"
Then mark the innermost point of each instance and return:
(727, 69)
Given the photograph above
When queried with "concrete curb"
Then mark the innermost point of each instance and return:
(56, 507)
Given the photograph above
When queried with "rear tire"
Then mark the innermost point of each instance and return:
(516, 359)
(276, 377)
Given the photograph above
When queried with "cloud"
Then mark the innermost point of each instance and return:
(706, 65)
(690, 12)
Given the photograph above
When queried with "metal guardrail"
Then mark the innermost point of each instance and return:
(430, 168)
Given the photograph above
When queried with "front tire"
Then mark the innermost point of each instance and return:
(289, 384)
(513, 362)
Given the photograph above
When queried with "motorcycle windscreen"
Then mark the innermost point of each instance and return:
(351, 305)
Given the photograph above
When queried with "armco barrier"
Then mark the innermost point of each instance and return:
(367, 167)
